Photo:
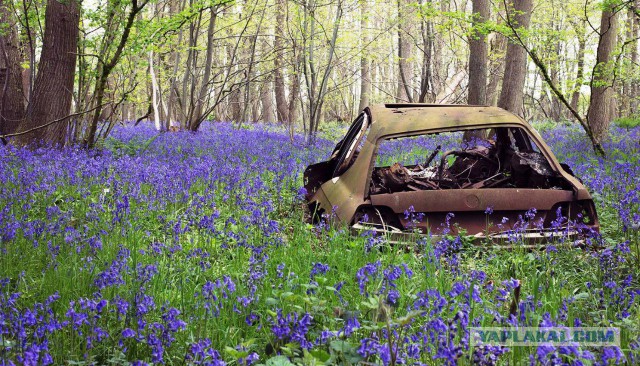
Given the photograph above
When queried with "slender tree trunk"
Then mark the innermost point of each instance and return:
(294, 91)
(172, 104)
(28, 48)
(405, 51)
(628, 87)
(203, 92)
(154, 93)
(12, 98)
(633, 90)
(575, 96)
(498, 45)
(185, 99)
(248, 96)
(554, 72)
(53, 88)
(512, 93)
(478, 55)
(266, 101)
(107, 67)
(599, 114)
(278, 78)
(426, 74)
(234, 105)
(365, 76)
(440, 73)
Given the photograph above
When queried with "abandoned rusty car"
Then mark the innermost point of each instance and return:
(436, 169)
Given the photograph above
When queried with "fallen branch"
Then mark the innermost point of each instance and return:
(3, 137)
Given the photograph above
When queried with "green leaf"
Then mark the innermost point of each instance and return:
(341, 346)
(235, 353)
(320, 355)
(279, 361)
(371, 303)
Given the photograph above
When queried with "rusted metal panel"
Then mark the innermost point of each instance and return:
(458, 200)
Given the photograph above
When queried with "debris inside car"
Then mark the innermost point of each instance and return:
(490, 164)
(436, 160)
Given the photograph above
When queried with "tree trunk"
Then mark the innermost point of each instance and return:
(439, 73)
(405, 66)
(249, 75)
(174, 59)
(478, 55)
(282, 109)
(235, 105)
(629, 86)
(497, 44)
(633, 97)
(557, 109)
(365, 76)
(53, 88)
(426, 74)
(575, 96)
(266, 100)
(202, 94)
(294, 90)
(599, 114)
(107, 68)
(186, 97)
(154, 94)
(317, 81)
(515, 70)
(11, 89)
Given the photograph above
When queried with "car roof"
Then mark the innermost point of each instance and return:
(412, 118)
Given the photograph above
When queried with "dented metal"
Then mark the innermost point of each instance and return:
(488, 186)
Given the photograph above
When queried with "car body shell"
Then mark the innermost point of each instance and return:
(346, 194)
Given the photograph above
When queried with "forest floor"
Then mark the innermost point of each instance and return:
(191, 248)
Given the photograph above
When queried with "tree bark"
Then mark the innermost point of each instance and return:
(203, 91)
(11, 89)
(282, 109)
(512, 93)
(575, 96)
(633, 98)
(426, 73)
(154, 94)
(266, 100)
(405, 51)
(478, 55)
(557, 109)
(629, 85)
(53, 88)
(497, 44)
(365, 75)
(294, 90)
(599, 113)
(175, 6)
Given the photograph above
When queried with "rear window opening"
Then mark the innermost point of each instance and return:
(503, 157)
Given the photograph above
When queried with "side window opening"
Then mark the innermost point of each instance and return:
(502, 157)
(347, 150)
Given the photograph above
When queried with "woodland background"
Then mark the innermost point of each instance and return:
(124, 245)
(69, 70)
